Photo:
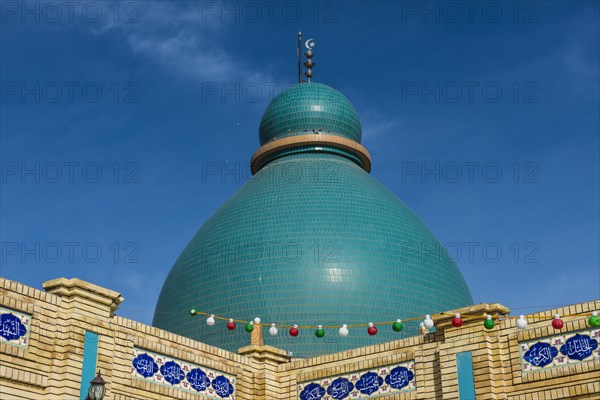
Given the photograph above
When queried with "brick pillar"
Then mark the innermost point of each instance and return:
(84, 307)
(266, 378)
(482, 344)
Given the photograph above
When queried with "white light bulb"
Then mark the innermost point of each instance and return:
(210, 321)
(343, 330)
(521, 322)
(428, 322)
(257, 320)
(273, 330)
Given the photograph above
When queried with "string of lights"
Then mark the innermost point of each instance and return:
(426, 323)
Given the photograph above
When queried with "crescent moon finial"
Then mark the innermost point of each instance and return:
(309, 63)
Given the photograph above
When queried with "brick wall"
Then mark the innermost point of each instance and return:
(49, 365)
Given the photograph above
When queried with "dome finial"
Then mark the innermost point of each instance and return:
(309, 63)
(299, 57)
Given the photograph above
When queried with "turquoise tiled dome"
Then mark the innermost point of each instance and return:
(305, 107)
(311, 239)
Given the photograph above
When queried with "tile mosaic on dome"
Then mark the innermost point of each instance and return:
(278, 238)
(306, 107)
(560, 350)
(14, 327)
(368, 384)
(168, 371)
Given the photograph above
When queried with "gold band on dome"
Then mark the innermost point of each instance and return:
(318, 139)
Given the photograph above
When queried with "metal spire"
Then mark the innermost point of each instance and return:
(299, 57)
(309, 63)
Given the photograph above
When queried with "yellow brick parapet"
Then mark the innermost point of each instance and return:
(49, 365)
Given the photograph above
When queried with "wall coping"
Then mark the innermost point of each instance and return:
(74, 287)
(265, 353)
(444, 319)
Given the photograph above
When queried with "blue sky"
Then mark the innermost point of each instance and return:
(484, 119)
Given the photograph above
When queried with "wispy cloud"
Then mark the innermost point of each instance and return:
(378, 128)
(185, 43)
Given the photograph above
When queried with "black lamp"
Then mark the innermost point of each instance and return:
(96, 390)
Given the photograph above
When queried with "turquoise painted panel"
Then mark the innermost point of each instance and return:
(90, 358)
(466, 384)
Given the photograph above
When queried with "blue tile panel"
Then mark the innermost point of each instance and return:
(90, 358)
(182, 375)
(560, 350)
(378, 382)
(14, 327)
(466, 384)
(310, 239)
(302, 108)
